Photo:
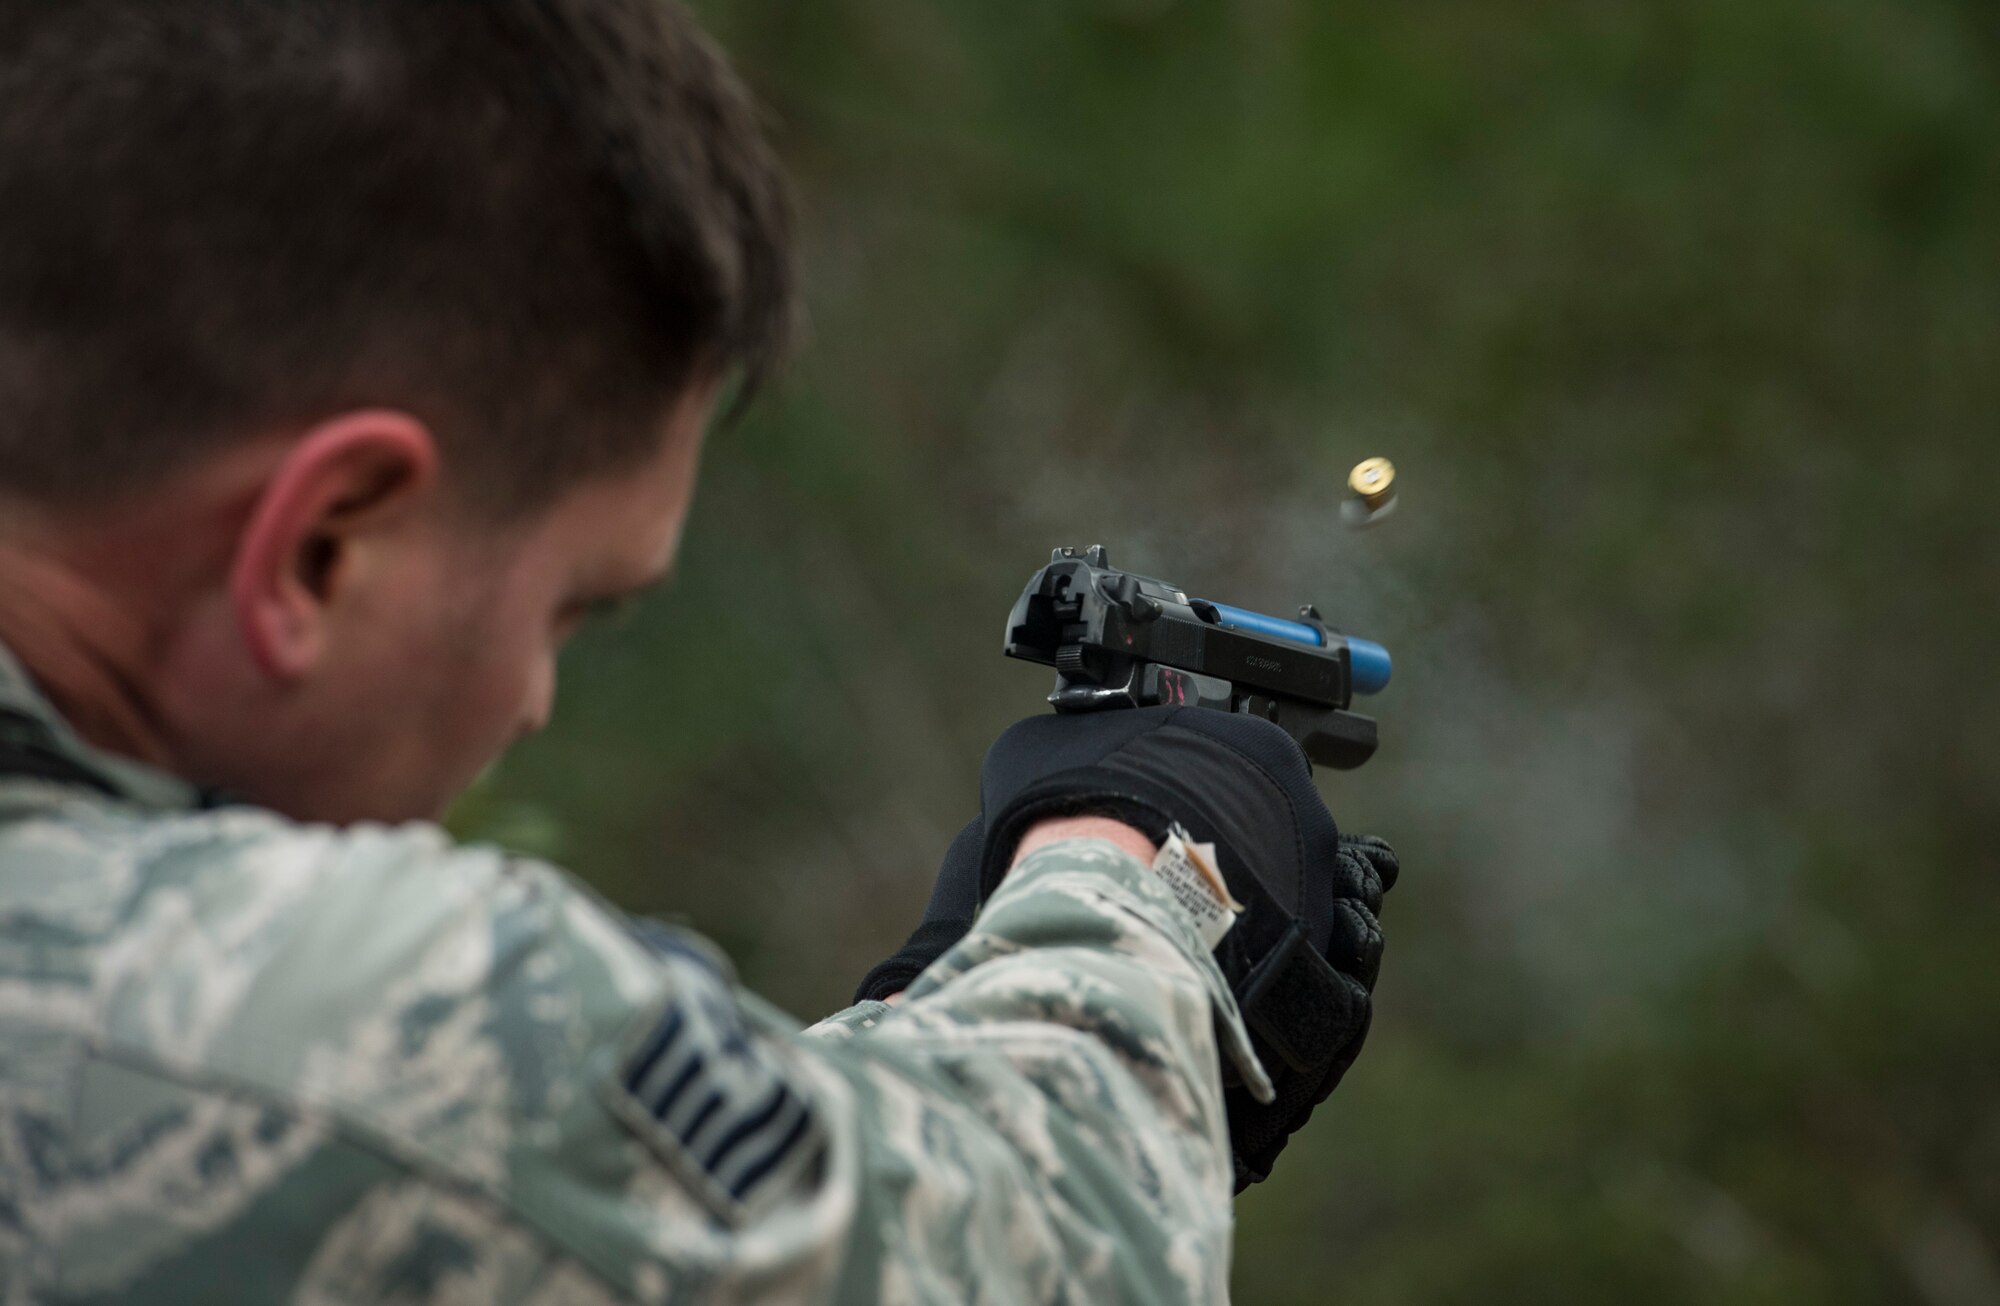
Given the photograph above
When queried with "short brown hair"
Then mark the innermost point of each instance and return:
(531, 222)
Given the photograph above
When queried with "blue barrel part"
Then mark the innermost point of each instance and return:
(1276, 627)
(1368, 665)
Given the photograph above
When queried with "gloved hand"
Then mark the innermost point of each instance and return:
(1301, 959)
(947, 917)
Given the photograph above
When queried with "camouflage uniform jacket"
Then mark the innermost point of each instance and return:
(247, 1060)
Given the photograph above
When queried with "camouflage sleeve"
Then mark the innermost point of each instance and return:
(368, 1066)
(1043, 1109)
(1040, 1120)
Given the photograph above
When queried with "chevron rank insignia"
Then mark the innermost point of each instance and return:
(715, 1100)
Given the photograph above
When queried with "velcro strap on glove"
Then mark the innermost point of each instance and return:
(1295, 1001)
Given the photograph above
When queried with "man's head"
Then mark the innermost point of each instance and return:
(350, 350)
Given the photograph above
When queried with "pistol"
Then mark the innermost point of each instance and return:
(1121, 640)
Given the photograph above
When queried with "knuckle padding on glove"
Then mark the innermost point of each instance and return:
(1356, 945)
(1372, 857)
(1357, 880)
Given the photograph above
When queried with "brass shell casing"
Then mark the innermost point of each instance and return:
(1374, 480)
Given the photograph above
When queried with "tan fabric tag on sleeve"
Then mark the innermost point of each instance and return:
(1190, 874)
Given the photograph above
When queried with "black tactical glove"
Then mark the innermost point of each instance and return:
(947, 917)
(1301, 959)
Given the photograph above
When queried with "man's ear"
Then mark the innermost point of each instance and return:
(343, 478)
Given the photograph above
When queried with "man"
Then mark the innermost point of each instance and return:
(352, 352)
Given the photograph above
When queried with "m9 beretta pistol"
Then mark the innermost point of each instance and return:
(1121, 640)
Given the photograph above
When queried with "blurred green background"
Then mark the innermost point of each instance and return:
(1682, 325)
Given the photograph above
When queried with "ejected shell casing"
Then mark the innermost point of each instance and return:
(1373, 483)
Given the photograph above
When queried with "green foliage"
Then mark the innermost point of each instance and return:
(1680, 322)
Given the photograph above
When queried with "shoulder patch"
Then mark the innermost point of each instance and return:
(714, 1099)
